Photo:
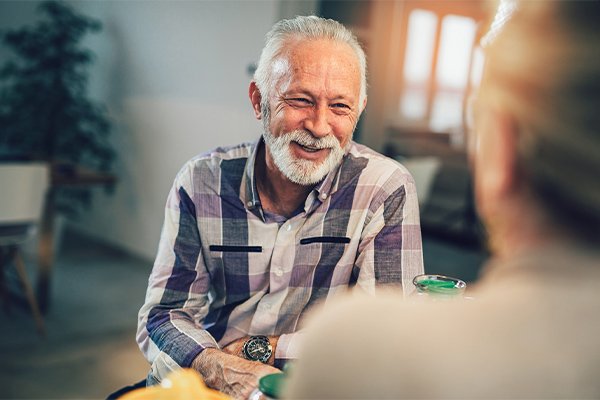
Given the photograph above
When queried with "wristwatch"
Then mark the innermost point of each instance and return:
(257, 348)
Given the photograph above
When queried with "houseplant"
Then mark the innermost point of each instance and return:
(45, 112)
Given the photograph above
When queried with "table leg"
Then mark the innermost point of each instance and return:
(3, 287)
(22, 272)
(46, 250)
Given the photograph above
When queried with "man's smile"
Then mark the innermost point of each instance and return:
(309, 148)
(309, 152)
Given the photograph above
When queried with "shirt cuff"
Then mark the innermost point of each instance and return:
(288, 348)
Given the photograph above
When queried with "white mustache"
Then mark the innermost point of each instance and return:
(305, 139)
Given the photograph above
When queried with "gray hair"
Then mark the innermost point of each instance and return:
(544, 68)
(307, 28)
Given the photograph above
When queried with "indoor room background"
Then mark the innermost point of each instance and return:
(174, 77)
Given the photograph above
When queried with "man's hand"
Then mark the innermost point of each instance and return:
(230, 374)
(235, 347)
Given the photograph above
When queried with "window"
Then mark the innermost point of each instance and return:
(452, 72)
(441, 63)
(417, 67)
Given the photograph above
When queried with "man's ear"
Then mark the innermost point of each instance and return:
(363, 105)
(255, 99)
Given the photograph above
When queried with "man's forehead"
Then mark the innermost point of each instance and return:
(317, 50)
(302, 60)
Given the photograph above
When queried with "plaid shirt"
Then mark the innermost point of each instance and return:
(225, 269)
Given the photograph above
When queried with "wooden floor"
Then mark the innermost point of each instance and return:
(90, 348)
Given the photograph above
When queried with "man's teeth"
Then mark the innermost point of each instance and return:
(309, 149)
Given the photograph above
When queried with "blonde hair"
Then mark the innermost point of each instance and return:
(544, 68)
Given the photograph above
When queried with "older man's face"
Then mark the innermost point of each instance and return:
(314, 108)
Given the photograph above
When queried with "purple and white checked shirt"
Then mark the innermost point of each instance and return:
(225, 270)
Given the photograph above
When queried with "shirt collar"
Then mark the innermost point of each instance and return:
(328, 185)
(250, 194)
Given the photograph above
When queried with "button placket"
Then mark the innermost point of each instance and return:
(282, 258)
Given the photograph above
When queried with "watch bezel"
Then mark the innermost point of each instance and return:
(265, 342)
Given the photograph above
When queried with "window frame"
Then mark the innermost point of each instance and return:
(441, 9)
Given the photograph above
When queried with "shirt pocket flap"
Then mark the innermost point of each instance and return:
(325, 239)
(235, 249)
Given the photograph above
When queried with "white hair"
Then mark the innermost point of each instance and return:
(307, 28)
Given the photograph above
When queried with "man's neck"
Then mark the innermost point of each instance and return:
(278, 195)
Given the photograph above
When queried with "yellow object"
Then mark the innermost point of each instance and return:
(179, 385)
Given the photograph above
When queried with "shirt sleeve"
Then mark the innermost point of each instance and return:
(390, 253)
(288, 347)
(170, 332)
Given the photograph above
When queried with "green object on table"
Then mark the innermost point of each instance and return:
(271, 385)
(437, 283)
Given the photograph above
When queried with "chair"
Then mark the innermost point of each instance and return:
(423, 171)
(23, 188)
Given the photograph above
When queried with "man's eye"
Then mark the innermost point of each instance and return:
(300, 101)
(341, 105)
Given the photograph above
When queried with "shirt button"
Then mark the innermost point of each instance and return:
(249, 204)
(279, 272)
(324, 196)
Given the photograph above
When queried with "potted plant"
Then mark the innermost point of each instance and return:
(45, 112)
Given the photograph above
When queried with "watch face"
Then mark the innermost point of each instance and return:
(257, 348)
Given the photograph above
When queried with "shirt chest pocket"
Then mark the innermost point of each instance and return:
(233, 259)
(323, 250)
(230, 270)
(327, 255)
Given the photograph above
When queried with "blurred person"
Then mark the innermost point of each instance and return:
(257, 234)
(532, 329)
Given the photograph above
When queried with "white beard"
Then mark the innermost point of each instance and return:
(298, 170)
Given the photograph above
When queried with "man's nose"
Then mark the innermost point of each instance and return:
(318, 122)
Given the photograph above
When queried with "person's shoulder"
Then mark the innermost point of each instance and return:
(222, 153)
(373, 158)
(393, 331)
(209, 164)
(376, 166)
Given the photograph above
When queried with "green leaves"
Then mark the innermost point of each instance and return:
(45, 110)
(45, 113)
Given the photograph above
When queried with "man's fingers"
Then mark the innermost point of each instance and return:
(239, 390)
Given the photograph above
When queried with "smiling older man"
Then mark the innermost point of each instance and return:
(258, 234)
